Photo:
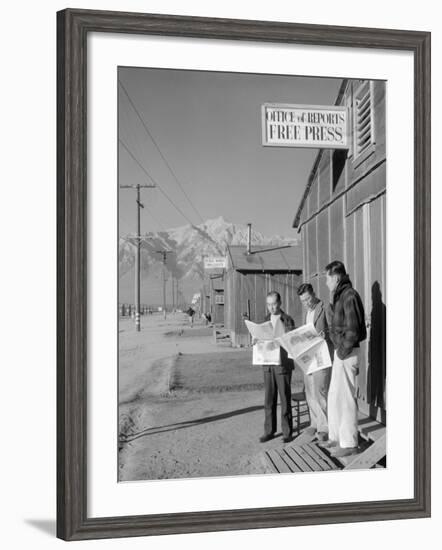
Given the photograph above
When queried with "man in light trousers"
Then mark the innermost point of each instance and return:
(316, 384)
(347, 330)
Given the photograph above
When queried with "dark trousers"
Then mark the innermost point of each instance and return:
(277, 383)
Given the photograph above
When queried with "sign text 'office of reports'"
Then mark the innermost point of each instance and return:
(324, 127)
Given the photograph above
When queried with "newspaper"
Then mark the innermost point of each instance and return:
(266, 351)
(303, 345)
(264, 331)
(307, 348)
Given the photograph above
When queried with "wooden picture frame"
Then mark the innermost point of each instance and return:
(73, 27)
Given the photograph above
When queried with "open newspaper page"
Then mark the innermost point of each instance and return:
(315, 358)
(307, 348)
(266, 353)
(263, 331)
(267, 350)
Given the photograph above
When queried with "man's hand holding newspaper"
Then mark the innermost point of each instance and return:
(265, 346)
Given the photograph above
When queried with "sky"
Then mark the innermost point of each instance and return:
(207, 127)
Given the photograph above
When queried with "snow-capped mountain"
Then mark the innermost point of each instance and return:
(189, 245)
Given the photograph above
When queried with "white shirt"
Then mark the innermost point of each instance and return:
(274, 318)
(278, 325)
(278, 330)
(310, 317)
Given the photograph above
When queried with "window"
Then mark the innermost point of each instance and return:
(339, 159)
(219, 298)
(363, 119)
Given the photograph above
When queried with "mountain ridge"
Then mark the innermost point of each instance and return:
(188, 244)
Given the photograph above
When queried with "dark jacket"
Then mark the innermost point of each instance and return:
(347, 323)
(287, 365)
(321, 322)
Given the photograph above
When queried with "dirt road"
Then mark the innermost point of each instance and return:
(188, 407)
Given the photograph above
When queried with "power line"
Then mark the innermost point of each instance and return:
(160, 225)
(160, 152)
(157, 221)
(134, 158)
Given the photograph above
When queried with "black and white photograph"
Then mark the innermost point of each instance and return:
(219, 316)
(251, 275)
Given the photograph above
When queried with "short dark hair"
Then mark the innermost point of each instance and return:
(305, 287)
(275, 294)
(335, 268)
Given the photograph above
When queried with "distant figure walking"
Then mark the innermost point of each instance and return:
(190, 314)
(207, 318)
(347, 329)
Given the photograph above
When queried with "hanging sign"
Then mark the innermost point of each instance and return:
(321, 127)
(215, 262)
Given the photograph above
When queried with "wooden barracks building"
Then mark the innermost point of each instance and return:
(212, 296)
(342, 216)
(250, 274)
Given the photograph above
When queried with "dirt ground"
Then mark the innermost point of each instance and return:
(188, 407)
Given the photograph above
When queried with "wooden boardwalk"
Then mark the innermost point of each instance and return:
(305, 455)
(374, 435)
(308, 457)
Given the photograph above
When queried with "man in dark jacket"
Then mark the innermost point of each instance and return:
(278, 377)
(316, 384)
(347, 329)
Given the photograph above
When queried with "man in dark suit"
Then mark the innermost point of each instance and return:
(278, 377)
(316, 384)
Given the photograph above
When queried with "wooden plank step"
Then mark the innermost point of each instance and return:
(313, 460)
(282, 466)
(368, 458)
(346, 460)
(310, 457)
(369, 428)
(301, 463)
(267, 460)
(321, 456)
(307, 458)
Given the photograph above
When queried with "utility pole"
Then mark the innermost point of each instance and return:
(137, 255)
(164, 254)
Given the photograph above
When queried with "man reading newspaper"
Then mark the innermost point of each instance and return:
(277, 366)
(317, 383)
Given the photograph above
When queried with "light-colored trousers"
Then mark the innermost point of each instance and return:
(316, 391)
(342, 402)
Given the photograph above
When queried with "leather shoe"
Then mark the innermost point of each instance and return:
(344, 451)
(322, 436)
(287, 439)
(265, 438)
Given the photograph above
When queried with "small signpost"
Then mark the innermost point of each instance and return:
(214, 262)
(318, 126)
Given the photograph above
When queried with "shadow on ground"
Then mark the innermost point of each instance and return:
(191, 423)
